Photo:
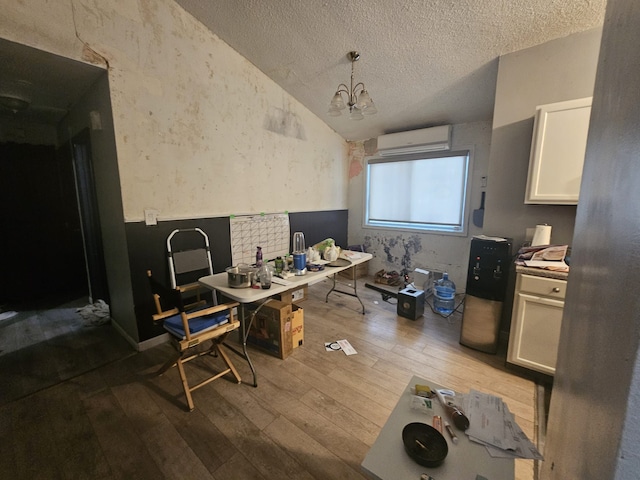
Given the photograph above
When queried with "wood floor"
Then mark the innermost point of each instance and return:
(45, 345)
(312, 416)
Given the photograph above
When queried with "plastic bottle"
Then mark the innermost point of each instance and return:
(444, 293)
(279, 265)
(259, 257)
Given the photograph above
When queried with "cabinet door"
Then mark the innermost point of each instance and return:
(535, 333)
(557, 152)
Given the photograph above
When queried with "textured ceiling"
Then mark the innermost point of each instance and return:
(424, 62)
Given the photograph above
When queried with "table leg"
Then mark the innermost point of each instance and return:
(244, 333)
(355, 287)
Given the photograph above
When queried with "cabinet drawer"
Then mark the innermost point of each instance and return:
(548, 287)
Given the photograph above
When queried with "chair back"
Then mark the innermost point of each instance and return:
(166, 299)
(189, 256)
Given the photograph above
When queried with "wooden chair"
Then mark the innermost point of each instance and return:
(189, 327)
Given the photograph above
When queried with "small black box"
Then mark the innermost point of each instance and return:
(411, 303)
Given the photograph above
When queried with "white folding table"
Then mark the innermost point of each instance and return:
(247, 296)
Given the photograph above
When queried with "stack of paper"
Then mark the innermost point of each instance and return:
(493, 425)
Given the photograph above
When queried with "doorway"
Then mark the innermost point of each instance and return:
(41, 244)
(47, 224)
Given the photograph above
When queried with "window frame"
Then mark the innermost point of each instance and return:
(433, 228)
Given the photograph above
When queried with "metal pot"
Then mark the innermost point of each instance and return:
(241, 276)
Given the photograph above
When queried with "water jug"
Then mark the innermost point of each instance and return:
(444, 293)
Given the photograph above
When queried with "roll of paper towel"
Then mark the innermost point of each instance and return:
(542, 235)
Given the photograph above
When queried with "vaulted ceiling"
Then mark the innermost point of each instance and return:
(424, 62)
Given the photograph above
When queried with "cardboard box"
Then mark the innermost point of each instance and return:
(297, 326)
(271, 329)
(295, 295)
(361, 270)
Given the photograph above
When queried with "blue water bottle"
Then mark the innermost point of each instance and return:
(444, 294)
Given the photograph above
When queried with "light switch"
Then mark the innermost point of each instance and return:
(150, 216)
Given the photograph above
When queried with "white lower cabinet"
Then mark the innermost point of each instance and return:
(535, 322)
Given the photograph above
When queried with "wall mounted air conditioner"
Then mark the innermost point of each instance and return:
(431, 139)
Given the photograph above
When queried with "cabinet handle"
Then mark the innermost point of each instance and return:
(556, 290)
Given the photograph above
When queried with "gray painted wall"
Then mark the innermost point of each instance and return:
(555, 71)
(594, 427)
(105, 164)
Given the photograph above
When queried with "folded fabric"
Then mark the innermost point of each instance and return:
(174, 326)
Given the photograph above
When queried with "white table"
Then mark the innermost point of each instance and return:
(246, 296)
(387, 459)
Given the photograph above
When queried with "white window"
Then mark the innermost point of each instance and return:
(425, 192)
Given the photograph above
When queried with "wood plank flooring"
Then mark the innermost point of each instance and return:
(42, 347)
(312, 416)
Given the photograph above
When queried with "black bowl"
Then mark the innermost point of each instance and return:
(424, 444)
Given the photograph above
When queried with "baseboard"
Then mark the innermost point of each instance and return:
(124, 334)
(141, 346)
(153, 342)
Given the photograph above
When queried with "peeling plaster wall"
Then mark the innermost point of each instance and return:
(404, 250)
(200, 132)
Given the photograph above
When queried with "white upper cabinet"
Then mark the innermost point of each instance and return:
(557, 152)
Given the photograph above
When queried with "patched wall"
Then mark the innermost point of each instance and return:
(200, 131)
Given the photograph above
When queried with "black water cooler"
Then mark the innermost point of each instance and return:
(489, 265)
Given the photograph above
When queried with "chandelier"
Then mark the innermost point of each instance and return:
(358, 99)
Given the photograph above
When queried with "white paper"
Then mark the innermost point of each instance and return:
(425, 405)
(547, 264)
(495, 239)
(346, 347)
(332, 346)
(493, 425)
(350, 254)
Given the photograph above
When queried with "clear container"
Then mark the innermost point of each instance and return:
(264, 276)
(444, 294)
(298, 243)
(259, 257)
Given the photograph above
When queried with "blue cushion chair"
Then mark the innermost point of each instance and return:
(191, 327)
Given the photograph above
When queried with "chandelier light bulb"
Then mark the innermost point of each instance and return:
(337, 102)
(356, 114)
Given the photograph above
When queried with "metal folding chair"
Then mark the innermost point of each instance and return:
(189, 256)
